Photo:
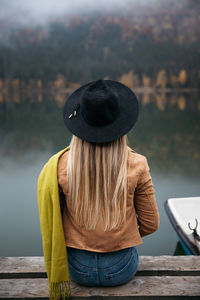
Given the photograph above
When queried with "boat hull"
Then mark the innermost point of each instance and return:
(180, 212)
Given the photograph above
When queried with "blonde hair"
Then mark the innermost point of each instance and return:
(97, 182)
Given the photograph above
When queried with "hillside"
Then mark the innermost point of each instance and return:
(141, 45)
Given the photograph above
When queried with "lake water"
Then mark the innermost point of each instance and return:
(167, 133)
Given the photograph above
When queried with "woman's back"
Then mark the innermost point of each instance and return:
(141, 209)
(105, 191)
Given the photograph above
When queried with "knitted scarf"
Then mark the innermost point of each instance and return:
(54, 248)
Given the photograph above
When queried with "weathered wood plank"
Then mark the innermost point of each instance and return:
(33, 267)
(169, 265)
(165, 262)
(154, 287)
(22, 267)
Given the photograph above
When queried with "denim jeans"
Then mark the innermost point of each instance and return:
(102, 269)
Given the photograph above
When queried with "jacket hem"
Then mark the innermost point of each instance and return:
(105, 251)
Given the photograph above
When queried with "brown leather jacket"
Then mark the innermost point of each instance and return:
(142, 212)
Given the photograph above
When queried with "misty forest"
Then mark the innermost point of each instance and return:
(155, 46)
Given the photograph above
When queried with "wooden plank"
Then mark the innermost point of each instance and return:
(137, 288)
(165, 262)
(22, 267)
(169, 265)
(33, 267)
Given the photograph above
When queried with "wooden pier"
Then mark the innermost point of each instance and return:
(158, 277)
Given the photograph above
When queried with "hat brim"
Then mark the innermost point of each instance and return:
(127, 117)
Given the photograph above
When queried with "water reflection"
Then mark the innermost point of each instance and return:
(167, 132)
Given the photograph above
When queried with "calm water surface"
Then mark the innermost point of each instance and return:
(167, 133)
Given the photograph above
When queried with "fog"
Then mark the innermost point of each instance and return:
(40, 12)
(50, 8)
(37, 11)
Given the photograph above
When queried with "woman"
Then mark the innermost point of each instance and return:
(107, 200)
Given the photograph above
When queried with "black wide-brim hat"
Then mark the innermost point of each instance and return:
(101, 111)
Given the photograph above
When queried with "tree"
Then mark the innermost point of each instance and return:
(60, 81)
(127, 79)
(146, 81)
(182, 78)
(161, 80)
(130, 79)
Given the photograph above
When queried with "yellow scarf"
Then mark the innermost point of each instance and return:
(54, 248)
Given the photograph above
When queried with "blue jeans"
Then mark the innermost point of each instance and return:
(102, 269)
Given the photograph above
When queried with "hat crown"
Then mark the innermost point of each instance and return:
(100, 104)
(101, 111)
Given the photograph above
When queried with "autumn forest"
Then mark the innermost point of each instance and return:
(158, 49)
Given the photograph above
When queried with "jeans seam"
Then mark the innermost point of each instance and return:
(115, 265)
(112, 275)
(79, 264)
(86, 274)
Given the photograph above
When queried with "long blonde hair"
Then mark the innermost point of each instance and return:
(97, 182)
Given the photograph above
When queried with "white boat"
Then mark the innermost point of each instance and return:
(184, 215)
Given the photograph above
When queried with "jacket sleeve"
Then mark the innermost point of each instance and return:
(145, 203)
